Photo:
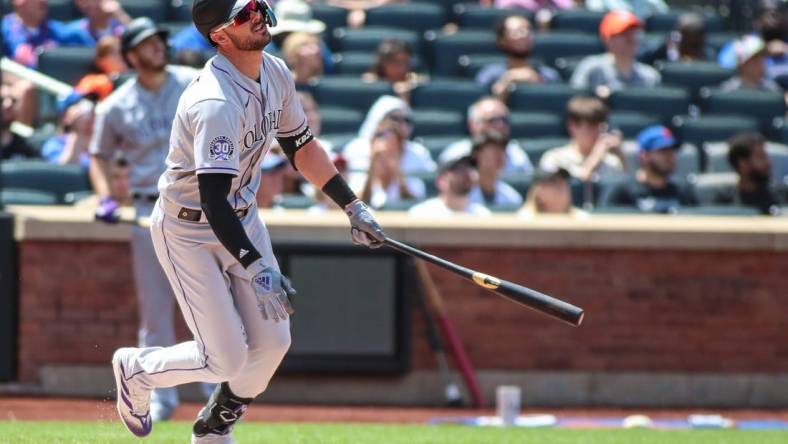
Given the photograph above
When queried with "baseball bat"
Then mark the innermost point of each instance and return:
(451, 392)
(533, 299)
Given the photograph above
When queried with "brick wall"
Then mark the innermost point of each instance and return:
(690, 311)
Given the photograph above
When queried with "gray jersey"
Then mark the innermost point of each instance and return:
(137, 122)
(225, 123)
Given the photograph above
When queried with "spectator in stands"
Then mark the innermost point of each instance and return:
(296, 16)
(651, 189)
(686, 43)
(750, 67)
(324, 203)
(385, 183)
(531, 5)
(71, 146)
(102, 18)
(25, 96)
(592, 151)
(12, 146)
(301, 51)
(272, 179)
(618, 68)
(27, 31)
(514, 39)
(190, 47)
(393, 65)
(455, 181)
(414, 157)
(489, 154)
(108, 67)
(641, 8)
(748, 157)
(550, 193)
(485, 114)
(119, 187)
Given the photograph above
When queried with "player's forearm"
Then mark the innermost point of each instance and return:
(99, 175)
(313, 162)
(224, 223)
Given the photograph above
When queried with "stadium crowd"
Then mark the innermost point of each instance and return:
(447, 107)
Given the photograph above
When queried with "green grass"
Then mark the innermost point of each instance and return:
(22, 432)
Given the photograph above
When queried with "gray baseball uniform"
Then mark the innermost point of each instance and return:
(138, 122)
(225, 123)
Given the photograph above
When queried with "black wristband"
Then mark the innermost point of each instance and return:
(338, 190)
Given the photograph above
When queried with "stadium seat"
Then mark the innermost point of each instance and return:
(67, 64)
(437, 143)
(180, 11)
(22, 196)
(399, 205)
(566, 66)
(577, 20)
(719, 210)
(536, 124)
(519, 181)
(338, 141)
(437, 122)
(445, 50)
(334, 17)
(46, 177)
(717, 40)
(358, 62)
(547, 98)
(704, 129)
(455, 95)
(414, 16)
(471, 64)
(663, 102)
(293, 201)
(62, 10)
(666, 22)
(549, 46)
(764, 106)
(368, 38)
(504, 208)
(338, 119)
(350, 92)
(471, 16)
(693, 75)
(156, 10)
(630, 123)
(534, 147)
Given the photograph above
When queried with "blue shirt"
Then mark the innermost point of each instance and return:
(189, 38)
(17, 38)
(80, 33)
(53, 149)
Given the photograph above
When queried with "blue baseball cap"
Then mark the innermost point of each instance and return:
(655, 138)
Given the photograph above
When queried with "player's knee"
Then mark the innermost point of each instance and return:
(228, 362)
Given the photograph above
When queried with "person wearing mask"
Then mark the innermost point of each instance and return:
(455, 181)
(489, 113)
(651, 189)
(748, 157)
(515, 40)
(617, 68)
(489, 154)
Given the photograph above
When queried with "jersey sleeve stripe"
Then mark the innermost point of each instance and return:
(215, 169)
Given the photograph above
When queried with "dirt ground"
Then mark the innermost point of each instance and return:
(50, 409)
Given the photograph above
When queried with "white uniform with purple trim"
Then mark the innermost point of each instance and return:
(225, 123)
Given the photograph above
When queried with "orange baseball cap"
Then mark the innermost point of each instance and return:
(616, 22)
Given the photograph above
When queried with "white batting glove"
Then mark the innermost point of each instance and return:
(273, 291)
(364, 229)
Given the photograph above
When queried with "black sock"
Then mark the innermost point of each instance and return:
(223, 410)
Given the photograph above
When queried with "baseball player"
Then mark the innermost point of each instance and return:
(136, 120)
(206, 230)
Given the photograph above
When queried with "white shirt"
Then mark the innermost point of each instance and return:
(436, 208)
(415, 157)
(569, 158)
(380, 196)
(225, 123)
(504, 195)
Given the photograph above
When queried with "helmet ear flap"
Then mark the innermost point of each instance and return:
(270, 15)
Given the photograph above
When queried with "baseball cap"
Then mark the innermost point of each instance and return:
(138, 30)
(748, 47)
(655, 138)
(616, 22)
(208, 14)
(455, 164)
(272, 162)
(296, 16)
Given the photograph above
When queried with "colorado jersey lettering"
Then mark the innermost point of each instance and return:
(245, 117)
